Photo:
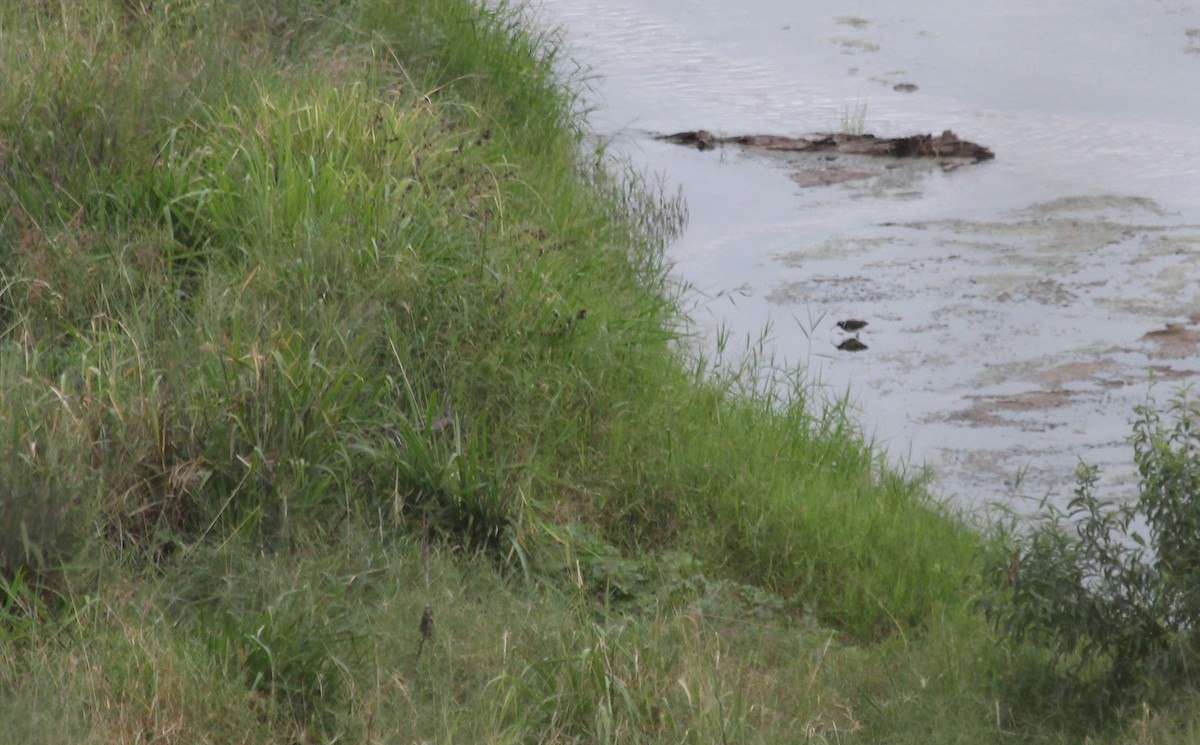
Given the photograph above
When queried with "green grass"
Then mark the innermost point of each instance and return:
(315, 313)
(854, 121)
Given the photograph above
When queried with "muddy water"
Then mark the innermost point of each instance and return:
(1017, 307)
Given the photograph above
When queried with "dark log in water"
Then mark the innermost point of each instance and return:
(945, 145)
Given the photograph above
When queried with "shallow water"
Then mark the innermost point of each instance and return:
(1016, 306)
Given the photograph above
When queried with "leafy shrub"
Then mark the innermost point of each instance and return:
(1114, 591)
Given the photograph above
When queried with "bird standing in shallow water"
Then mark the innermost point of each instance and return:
(851, 325)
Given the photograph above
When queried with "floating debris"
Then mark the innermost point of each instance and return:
(945, 145)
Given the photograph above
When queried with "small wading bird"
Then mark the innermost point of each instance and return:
(851, 325)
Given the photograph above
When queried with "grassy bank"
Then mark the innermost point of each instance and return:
(344, 401)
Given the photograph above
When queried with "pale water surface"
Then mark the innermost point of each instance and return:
(1016, 306)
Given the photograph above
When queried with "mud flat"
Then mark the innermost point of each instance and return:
(1002, 344)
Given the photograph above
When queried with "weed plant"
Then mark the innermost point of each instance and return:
(854, 121)
(1111, 589)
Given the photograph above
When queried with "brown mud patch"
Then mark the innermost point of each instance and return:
(1176, 341)
(1082, 377)
(1075, 372)
(989, 411)
(1044, 291)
